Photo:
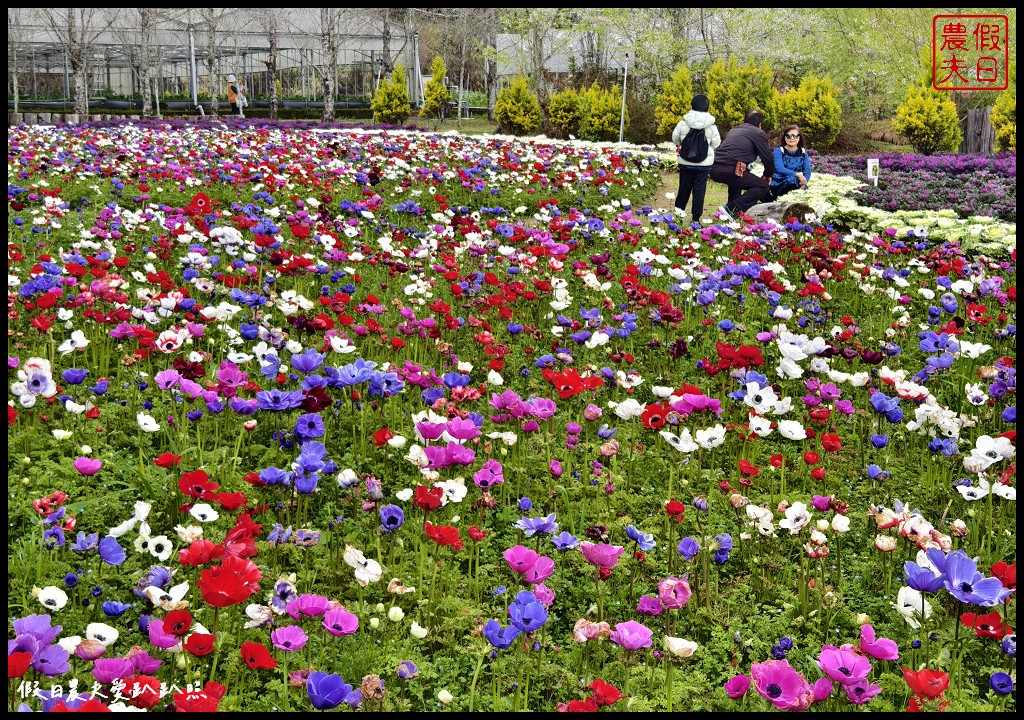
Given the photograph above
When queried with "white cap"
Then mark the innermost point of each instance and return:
(231, 78)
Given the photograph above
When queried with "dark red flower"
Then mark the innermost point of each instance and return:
(200, 203)
(831, 442)
(257, 656)
(232, 582)
(818, 473)
(178, 622)
(427, 498)
(199, 644)
(748, 470)
(926, 683)
(200, 552)
(142, 691)
(588, 705)
(476, 534)
(18, 663)
(990, 625)
(381, 437)
(205, 700)
(811, 457)
(167, 460)
(675, 510)
(1007, 574)
(444, 535)
(197, 484)
(604, 694)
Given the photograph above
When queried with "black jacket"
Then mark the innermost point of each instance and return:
(743, 144)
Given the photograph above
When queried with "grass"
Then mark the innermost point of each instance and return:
(665, 195)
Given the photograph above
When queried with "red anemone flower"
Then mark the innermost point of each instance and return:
(427, 498)
(926, 683)
(748, 470)
(605, 694)
(178, 622)
(444, 535)
(197, 484)
(233, 581)
(381, 437)
(199, 644)
(990, 625)
(167, 460)
(831, 442)
(257, 656)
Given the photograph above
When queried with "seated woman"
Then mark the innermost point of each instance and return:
(792, 164)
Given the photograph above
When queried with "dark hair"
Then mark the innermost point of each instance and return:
(754, 117)
(782, 138)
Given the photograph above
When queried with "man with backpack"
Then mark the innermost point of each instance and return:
(697, 137)
(742, 146)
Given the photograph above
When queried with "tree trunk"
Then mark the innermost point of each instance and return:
(386, 42)
(146, 59)
(211, 69)
(327, 42)
(462, 91)
(780, 212)
(81, 88)
(14, 75)
(492, 68)
(979, 135)
(271, 66)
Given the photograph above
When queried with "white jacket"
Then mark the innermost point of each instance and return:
(695, 120)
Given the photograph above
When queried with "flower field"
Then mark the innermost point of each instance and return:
(304, 418)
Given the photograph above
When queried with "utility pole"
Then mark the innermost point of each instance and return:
(622, 113)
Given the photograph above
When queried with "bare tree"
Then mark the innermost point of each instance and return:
(273, 28)
(76, 30)
(211, 18)
(329, 44)
(542, 33)
(136, 31)
(13, 44)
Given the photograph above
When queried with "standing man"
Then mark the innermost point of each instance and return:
(695, 158)
(234, 94)
(740, 148)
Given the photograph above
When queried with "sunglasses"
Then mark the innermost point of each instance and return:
(790, 136)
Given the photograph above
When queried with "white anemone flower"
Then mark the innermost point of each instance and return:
(366, 570)
(796, 517)
(77, 341)
(52, 598)
(761, 399)
(683, 442)
(102, 633)
(204, 512)
(792, 430)
(710, 438)
(910, 603)
(760, 426)
(147, 422)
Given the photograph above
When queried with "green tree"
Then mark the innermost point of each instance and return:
(734, 90)
(927, 118)
(565, 111)
(1004, 114)
(517, 110)
(814, 107)
(436, 98)
(390, 103)
(674, 99)
(601, 113)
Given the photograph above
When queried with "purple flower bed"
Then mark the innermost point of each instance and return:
(967, 184)
(246, 124)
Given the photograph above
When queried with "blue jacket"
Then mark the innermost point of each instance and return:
(787, 166)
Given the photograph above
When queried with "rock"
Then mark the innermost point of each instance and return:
(780, 212)
(14, 119)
